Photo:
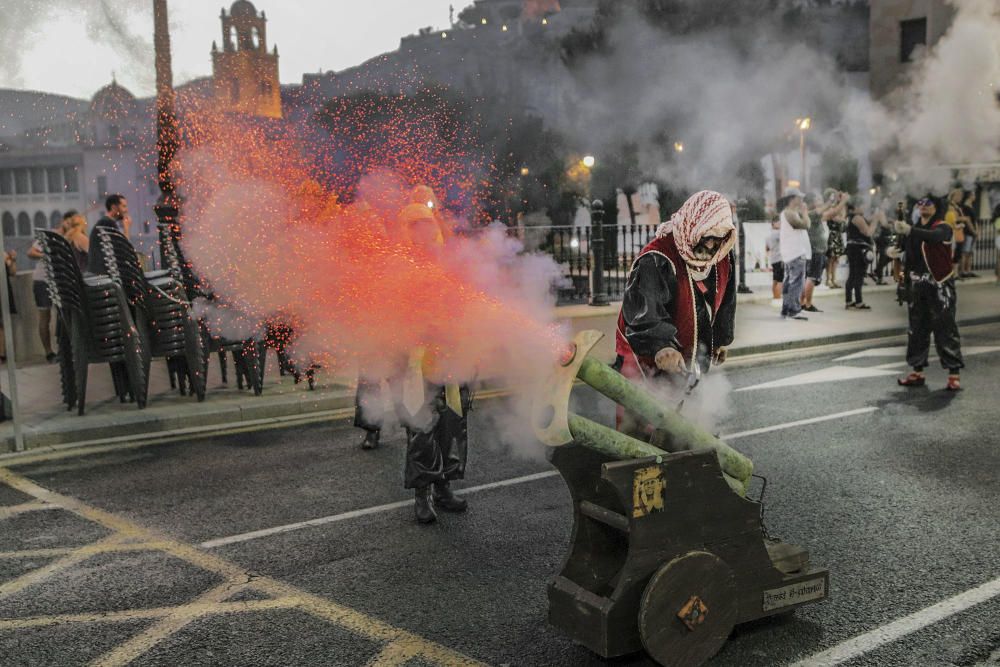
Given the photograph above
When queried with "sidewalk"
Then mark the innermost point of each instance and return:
(759, 329)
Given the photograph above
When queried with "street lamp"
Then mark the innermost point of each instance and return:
(803, 124)
(679, 146)
(588, 161)
(167, 205)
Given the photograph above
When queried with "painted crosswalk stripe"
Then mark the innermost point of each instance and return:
(800, 422)
(831, 374)
(355, 514)
(871, 640)
(322, 521)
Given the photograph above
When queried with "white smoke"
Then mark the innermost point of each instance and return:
(948, 111)
(111, 22)
(731, 92)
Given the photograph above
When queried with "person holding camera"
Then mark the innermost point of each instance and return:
(996, 239)
(932, 299)
(818, 214)
(859, 256)
(796, 251)
(956, 218)
(885, 238)
(968, 207)
(836, 218)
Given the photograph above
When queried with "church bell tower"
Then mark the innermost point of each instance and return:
(245, 75)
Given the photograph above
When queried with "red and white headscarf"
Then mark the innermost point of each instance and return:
(705, 213)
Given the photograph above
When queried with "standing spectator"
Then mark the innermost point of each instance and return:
(818, 245)
(795, 253)
(884, 239)
(996, 240)
(835, 222)
(10, 264)
(859, 245)
(75, 230)
(968, 207)
(41, 292)
(116, 217)
(955, 218)
(933, 298)
(773, 247)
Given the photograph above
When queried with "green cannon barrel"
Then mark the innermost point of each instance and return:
(634, 398)
(623, 447)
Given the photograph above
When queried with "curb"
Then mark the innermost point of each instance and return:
(332, 406)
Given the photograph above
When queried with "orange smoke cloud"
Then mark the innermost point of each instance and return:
(272, 241)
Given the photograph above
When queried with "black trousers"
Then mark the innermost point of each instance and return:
(857, 266)
(932, 311)
(437, 441)
(368, 405)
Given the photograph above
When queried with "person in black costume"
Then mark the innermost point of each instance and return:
(929, 271)
(437, 434)
(437, 437)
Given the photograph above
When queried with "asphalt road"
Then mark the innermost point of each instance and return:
(900, 502)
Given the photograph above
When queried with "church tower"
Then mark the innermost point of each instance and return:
(245, 75)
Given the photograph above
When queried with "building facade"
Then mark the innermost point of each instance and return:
(899, 32)
(75, 165)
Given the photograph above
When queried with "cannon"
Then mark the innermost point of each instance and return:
(667, 553)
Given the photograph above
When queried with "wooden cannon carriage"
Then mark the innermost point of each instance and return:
(667, 553)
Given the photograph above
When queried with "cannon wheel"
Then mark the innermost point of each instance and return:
(688, 609)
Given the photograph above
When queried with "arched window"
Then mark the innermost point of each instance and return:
(55, 219)
(8, 224)
(234, 90)
(232, 38)
(23, 224)
(255, 38)
(41, 221)
(265, 88)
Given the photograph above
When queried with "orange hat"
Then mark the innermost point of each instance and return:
(414, 213)
(423, 194)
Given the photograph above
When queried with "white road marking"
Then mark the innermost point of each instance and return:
(800, 422)
(354, 514)
(831, 374)
(970, 351)
(890, 632)
(875, 352)
(334, 518)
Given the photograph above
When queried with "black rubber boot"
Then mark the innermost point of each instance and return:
(422, 505)
(371, 440)
(446, 499)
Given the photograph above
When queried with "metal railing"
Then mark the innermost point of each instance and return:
(984, 251)
(571, 248)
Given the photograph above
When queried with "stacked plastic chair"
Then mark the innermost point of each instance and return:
(160, 309)
(248, 354)
(278, 335)
(95, 326)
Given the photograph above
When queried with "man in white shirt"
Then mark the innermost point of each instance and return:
(796, 251)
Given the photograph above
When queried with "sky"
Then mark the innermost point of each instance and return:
(60, 54)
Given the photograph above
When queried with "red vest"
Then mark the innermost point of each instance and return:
(682, 309)
(938, 257)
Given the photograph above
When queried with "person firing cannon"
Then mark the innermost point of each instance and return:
(679, 309)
